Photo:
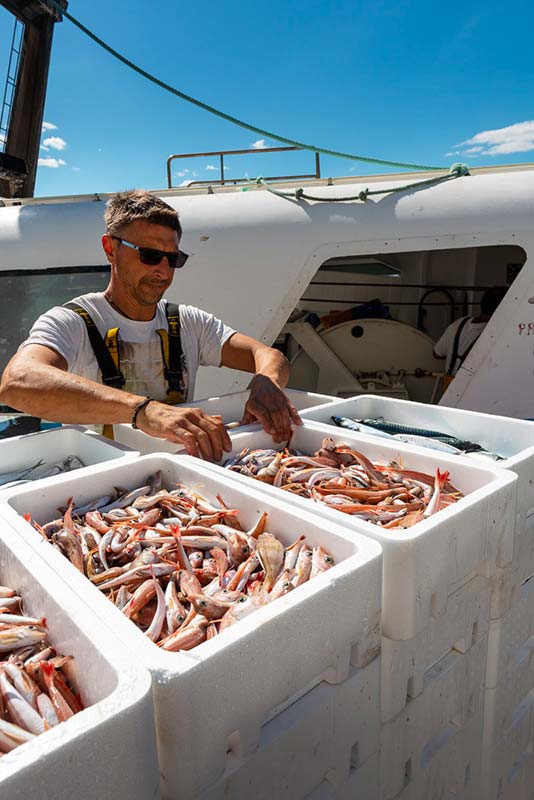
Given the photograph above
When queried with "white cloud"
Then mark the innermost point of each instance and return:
(194, 174)
(259, 145)
(453, 153)
(55, 142)
(45, 148)
(181, 174)
(517, 138)
(185, 183)
(48, 126)
(76, 169)
(211, 167)
(51, 162)
(474, 150)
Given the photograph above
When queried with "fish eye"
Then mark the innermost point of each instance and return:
(202, 603)
(242, 600)
(329, 559)
(286, 585)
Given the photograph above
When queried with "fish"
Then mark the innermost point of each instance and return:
(27, 698)
(270, 552)
(426, 441)
(19, 474)
(16, 637)
(357, 425)
(397, 429)
(381, 494)
(181, 567)
(39, 470)
(484, 456)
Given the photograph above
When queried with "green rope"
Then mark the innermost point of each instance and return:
(456, 171)
(228, 117)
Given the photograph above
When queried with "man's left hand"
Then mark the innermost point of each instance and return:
(268, 404)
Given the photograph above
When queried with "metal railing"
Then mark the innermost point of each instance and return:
(222, 181)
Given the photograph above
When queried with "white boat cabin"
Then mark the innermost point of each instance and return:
(271, 267)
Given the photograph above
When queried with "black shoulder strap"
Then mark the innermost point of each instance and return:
(454, 356)
(174, 371)
(171, 349)
(111, 374)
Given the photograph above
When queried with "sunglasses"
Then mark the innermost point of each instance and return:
(150, 256)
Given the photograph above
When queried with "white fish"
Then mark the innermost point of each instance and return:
(425, 441)
(484, 456)
(18, 474)
(359, 427)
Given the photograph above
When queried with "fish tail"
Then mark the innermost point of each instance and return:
(442, 477)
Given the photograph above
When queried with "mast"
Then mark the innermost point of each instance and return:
(24, 98)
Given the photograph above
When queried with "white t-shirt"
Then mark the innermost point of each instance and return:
(469, 334)
(141, 361)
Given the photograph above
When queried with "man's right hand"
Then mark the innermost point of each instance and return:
(201, 435)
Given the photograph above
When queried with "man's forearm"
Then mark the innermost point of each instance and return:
(270, 362)
(50, 393)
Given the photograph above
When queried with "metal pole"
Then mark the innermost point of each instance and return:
(24, 134)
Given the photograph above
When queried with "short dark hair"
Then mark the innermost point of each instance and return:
(123, 208)
(492, 298)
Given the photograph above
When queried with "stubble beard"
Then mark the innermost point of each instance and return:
(149, 295)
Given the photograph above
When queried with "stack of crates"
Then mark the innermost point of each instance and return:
(280, 700)
(508, 733)
(109, 748)
(436, 585)
(405, 672)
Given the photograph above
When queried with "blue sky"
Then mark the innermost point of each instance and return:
(393, 80)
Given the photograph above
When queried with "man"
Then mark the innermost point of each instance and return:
(138, 342)
(459, 338)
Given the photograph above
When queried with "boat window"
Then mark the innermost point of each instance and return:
(28, 294)
(354, 265)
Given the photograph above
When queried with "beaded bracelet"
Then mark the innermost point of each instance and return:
(139, 407)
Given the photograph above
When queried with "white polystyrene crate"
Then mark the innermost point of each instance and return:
(56, 444)
(453, 772)
(109, 748)
(452, 697)
(406, 663)
(511, 438)
(217, 697)
(363, 783)
(422, 563)
(510, 667)
(326, 732)
(511, 641)
(230, 407)
(506, 584)
(502, 764)
(517, 782)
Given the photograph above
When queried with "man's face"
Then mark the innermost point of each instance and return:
(144, 284)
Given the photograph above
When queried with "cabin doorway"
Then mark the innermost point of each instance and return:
(369, 323)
